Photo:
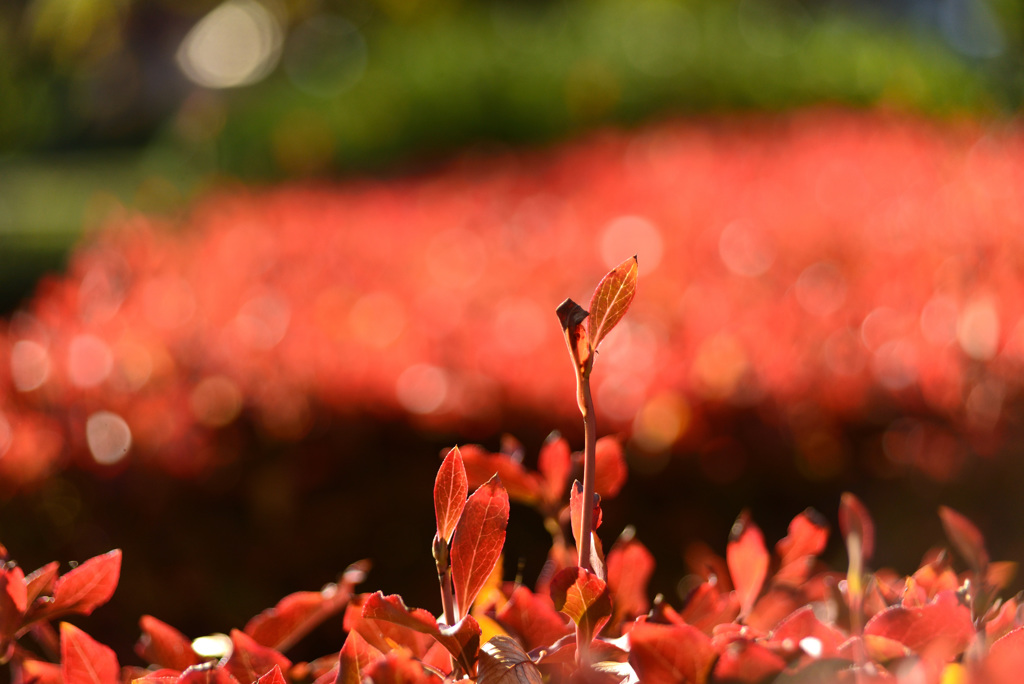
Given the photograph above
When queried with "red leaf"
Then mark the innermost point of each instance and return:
(297, 614)
(967, 539)
(398, 668)
(856, 525)
(356, 654)
(41, 582)
(576, 511)
(803, 624)
(450, 490)
(610, 471)
(555, 464)
(273, 677)
(747, 559)
(670, 654)
(163, 645)
(462, 640)
(1005, 660)
(479, 538)
(503, 661)
(250, 660)
(611, 299)
(533, 618)
(747, 661)
(630, 566)
(706, 607)
(84, 588)
(522, 486)
(805, 540)
(35, 672)
(584, 597)
(941, 629)
(85, 660)
(13, 600)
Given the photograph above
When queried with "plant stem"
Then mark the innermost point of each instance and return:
(586, 402)
(444, 579)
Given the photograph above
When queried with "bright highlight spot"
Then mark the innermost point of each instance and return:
(236, 44)
(89, 360)
(811, 646)
(217, 646)
(30, 365)
(744, 251)
(108, 436)
(977, 329)
(629, 235)
(422, 388)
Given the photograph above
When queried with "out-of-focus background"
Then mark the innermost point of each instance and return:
(256, 259)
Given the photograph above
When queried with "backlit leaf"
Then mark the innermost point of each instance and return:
(747, 661)
(13, 599)
(1005, 661)
(611, 299)
(397, 667)
(84, 660)
(804, 624)
(533, 618)
(250, 660)
(941, 629)
(630, 566)
(299, 613)
(462, 640)
(747, 559)
(207, 673)
(555, 464)
(670, 654)
(576, 511)
(355, 656)
(522, 485)
(86, 587)
(584, 597)
(479, 538)
(967, 539)
(450, 491)
(36, 672)
(610, 466)
(163, 645)
(804, 541)
(273, 677)
(41, 581)
(503, 661)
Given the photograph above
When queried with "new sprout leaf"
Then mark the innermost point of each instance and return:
(250, 659)
(164, 646)
(670, 654)
(503, 661)
(479, 538)
(584, 597)
(84, 588)
(611, 299)
(576, 511)
(84, 660)
(462, 640)
(966, 538)
(941, 629)
(747, 558)
(450, 490)
(856, 525)
(571, 315)
(610, 466)
(299, 613)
